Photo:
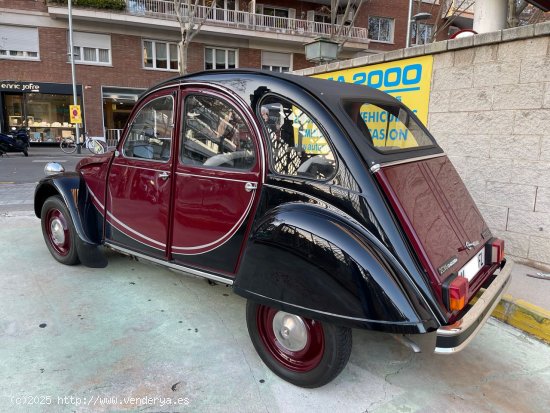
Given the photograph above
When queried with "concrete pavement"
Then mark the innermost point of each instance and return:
(134, 337)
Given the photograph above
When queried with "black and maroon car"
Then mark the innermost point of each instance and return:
(328, 206)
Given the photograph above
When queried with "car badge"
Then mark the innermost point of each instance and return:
(447, 265)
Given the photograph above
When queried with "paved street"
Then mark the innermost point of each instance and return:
(19, 174)
(136, 330)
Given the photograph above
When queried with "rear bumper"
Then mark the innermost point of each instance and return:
(456, 336)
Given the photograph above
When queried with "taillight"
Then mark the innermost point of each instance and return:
(494, 251)
(455, 292)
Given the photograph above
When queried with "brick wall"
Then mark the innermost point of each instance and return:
(32, 5)
(126, 71)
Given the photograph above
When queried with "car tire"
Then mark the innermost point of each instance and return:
(304, 352)
(59, 231)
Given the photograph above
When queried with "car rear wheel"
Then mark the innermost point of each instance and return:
(58, 230)
(302, 351)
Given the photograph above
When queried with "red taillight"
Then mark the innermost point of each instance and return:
(457, 293)
(494, 252)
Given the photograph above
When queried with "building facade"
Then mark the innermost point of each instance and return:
(121, 52)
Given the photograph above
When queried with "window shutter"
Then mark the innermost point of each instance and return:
(310, 15)
(275, 59)
(93, 40)
(291, 13)
(24, 39)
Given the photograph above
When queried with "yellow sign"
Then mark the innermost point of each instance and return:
(307, 135)
(406, 80)
(76, 116)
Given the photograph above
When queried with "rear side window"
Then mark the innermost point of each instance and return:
(215, 135)
(299, 147)
(389, 128)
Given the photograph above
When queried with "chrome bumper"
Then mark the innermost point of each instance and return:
(456, 336)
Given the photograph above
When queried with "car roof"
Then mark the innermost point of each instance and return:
(328, 91)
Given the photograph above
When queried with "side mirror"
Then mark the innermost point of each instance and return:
(53, 168)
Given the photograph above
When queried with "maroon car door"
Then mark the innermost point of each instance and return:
(139, 184)
(217, 180)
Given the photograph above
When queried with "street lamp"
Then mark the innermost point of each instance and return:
(414, 19)
(321, 51)
(73, 75)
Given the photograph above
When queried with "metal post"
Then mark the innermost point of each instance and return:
(409, 18)
(71, 53)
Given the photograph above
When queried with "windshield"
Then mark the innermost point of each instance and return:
(388, 128)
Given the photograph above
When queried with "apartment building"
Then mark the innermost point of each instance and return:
(122, 51)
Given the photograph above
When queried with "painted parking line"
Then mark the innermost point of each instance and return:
(49, 160)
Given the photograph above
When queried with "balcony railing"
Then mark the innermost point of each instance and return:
(164, 9)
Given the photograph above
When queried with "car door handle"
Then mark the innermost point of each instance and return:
(250, 186)
(164, 176)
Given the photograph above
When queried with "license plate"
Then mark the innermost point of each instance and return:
(473, 266)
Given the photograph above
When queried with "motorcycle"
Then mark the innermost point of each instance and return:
(16, 142)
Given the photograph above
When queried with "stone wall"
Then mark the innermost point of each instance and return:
(490, 111)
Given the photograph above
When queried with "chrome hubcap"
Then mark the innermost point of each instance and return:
(290, 330)
(57, 231)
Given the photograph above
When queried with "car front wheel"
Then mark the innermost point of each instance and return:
(58, 230)
(302, 351)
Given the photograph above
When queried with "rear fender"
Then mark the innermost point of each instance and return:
(313, 262)
(87, 221)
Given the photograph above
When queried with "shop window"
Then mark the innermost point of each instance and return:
(91, 48)
(216, 58)
(18, 42)
(160, 55)
(215, 135)
(381, 29)
(276, 62)
(45, 114)
(299, 146)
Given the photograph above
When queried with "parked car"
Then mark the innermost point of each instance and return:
(328, 206)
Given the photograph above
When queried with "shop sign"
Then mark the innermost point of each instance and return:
(10, 86)
(76, 115)
(407, 80)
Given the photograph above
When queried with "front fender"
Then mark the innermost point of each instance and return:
(86, 219)
(313, 262)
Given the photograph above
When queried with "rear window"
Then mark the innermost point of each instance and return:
(389, 128)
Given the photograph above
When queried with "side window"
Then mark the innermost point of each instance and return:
(215, 135)
(150, 136)
(298, 145)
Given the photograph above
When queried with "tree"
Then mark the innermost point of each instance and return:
(190, 16)
(341, 32)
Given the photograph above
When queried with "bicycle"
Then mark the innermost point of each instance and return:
(94, 145)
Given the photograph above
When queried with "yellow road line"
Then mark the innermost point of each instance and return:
(525, 316)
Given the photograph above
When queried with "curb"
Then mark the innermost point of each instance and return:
(525, 316)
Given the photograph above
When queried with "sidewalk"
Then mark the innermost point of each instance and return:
(526, 305)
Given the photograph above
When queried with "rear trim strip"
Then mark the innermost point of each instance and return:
(375, 168)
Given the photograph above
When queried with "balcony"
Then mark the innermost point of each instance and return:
(239, 23)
